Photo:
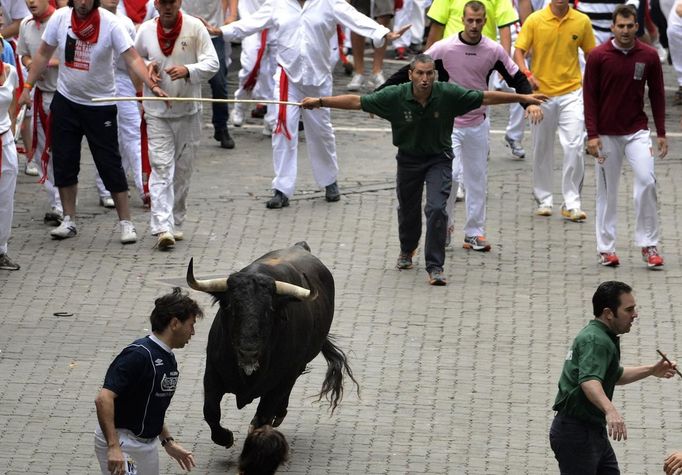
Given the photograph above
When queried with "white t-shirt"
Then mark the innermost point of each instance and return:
(30, 37)
(209, 10)
(6, 94)
(151, 11)
(14, 10)
(129, 26)
(86, 70)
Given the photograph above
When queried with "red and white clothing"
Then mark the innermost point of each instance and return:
(9, 166)
(303, 35)
(675, 41)
(30, 34)
(138, 11)
(174, 132)
(612, 74)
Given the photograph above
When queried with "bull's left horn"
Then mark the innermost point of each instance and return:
(285, 288)
(210, 285)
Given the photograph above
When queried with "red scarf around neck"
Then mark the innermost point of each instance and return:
(86, 29)
(45, 16)
(167, 40)
(136, 10)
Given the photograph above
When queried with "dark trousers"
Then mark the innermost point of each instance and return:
(218, 85)
(582, 448)
(69, 122)
(413, 172)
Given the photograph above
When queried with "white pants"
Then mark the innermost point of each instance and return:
(470, 146)
(675, 43)
(172, 148)
(8, 183)
(141, 456)
(412, 13)
(129, 141)
(636, 148)
(320, 140)
(52, 191)
(564, 113)
(265, 85)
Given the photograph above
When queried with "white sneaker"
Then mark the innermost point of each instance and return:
(459, 196)
(165, 241)
(178, 235)
(267, 129)
(237, 117)
(662, 52)
(378, 79)
(65, 230)
(355, 84)
(128, 234)
(31, 169)
(107, 202)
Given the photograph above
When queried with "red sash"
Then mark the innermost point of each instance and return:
(281, 127)
(167, 40)
(45, 119)
(250, 82)
(86, 29)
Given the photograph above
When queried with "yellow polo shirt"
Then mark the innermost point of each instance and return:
(449, 13)
(553, 43)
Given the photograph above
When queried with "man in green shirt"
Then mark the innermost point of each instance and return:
(421, 113)
(591, 372)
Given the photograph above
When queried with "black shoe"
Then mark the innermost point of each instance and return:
(436, 277)
(405, 260)
(331, 192)
(7, 264)
(277, 201)
(223, 136)
(259, 111)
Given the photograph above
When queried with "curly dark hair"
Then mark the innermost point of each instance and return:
(176, 304)
(264, 450)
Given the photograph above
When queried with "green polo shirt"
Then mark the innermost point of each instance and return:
(595, 355)
(422, 130)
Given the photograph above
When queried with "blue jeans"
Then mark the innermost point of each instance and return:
(219, 85)
(582, 448)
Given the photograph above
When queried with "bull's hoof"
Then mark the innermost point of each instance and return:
(278, 419)
(222, 437)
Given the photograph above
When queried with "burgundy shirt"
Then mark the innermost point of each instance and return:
(613, 90)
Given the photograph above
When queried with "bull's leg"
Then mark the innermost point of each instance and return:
(272, 408)
(213, 394)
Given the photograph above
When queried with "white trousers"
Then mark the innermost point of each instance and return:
(141, 457)
(636, 148)
(564, 113)
(470, 146)
(129, 141)
(320, 140)
(675, 44)
(412, 13)
(173, 144)
(265, 85)
(52, 191)
(8, 183)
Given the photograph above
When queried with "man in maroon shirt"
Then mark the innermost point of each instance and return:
(617, 127)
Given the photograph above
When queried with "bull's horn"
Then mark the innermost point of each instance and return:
(285, 288)
(210, 285)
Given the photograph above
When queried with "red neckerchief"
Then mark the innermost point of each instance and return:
(53, 3)
(167, 40)
(45, 16)
(86, 29)
(2, 68)
(136, 10)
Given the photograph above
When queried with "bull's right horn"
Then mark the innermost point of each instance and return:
(285, 288)
(210, 285)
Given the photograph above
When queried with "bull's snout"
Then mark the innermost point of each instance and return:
(247, 355)
(248, 360)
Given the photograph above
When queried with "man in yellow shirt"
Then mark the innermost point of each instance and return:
(553, 35)
(446, 20)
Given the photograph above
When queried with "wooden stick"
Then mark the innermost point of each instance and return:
(669, 362)
(194, 99)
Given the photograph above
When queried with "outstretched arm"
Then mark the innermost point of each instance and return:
(347, 101)
(496, 97)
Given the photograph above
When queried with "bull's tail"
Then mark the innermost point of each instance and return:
(337, 363)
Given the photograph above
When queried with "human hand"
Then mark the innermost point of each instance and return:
(116, 460)
(534, 84)
(177, 72)
(394, 35)
(153, 72)
(25, 99)
(664, 369)
(534, 113)
(184, 457)
(594, 149)
(662, 147)
(673, 464)
(310, 103)
(616, 425)
(535, 99)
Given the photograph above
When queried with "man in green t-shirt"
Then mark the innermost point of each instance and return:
(421, 113)
(592, 370)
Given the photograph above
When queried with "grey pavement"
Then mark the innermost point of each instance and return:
(457, 379)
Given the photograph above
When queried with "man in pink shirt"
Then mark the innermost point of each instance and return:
(469, 58)
(617, 128)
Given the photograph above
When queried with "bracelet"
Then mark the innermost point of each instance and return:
(320, 99)
(528, 73)
(166, 440)
(28, 85)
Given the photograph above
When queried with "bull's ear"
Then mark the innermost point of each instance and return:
(220, 298)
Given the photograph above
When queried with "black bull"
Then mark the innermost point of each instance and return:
(264, 334)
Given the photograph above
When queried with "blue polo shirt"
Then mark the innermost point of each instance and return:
(144, 377)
